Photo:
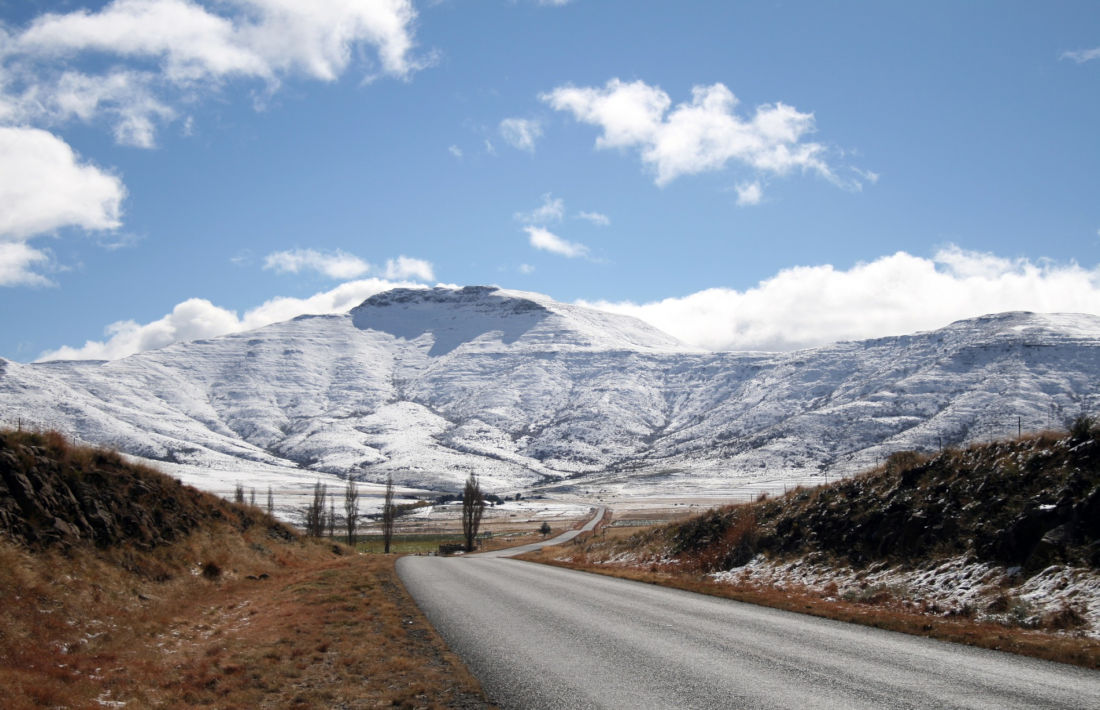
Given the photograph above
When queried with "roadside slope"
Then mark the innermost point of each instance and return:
(543, 637)
(122, 587)
(997, 545)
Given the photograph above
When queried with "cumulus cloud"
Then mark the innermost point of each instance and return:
(1082, 55)
(455, 151)
(808, 306)
(552, 209)
(129, 62)
(547, 241)
(45, 186)
(596, 218)
(520, 133)
(404, 267)
(158, 51)
(335, 264)
(702, 135)
(17, 261)
(341, 265)
(254, 38)
(749, 193)
(199, 318)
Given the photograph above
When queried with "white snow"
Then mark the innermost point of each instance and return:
(949, 587)
(433, 385)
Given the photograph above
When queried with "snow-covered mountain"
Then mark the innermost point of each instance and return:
(433, 384)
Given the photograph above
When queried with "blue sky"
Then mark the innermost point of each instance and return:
(743, 175)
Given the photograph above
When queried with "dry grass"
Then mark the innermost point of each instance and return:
(309, 629)
(881, 611)
(992, 503)
(178, 599)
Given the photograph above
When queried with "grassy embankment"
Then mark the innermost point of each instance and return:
(1014, 511)
(121, 587)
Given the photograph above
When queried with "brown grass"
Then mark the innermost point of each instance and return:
(309, 629)
(881, 611)
(205, 603)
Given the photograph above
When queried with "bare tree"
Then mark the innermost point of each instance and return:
(389, 512)
(252, 497)
(315, 512)
(473, 505)
(270, 502)
(351, 509)
(238, 493)
(331, 516)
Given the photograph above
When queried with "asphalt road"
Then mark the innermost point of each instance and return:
(546, 637)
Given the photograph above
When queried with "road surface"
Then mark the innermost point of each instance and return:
(545, 637)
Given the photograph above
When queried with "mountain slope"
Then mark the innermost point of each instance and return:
(431, 385)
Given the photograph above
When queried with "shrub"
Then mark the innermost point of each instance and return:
(1084, 428)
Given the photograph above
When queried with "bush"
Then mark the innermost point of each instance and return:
(1084, 428)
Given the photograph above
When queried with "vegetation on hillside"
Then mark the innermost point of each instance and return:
(121, 586)
(1029, 502)
(996, 544)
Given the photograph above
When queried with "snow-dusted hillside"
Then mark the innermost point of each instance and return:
(430, 385)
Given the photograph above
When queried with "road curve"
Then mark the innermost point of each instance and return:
(563, 538)
(545, 637)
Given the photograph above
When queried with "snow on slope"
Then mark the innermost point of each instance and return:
(431, 385)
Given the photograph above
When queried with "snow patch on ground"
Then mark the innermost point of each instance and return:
(957, 586)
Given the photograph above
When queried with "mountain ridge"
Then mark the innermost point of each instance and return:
(430, 385)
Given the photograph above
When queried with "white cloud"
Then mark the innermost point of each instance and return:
(868, 175)
(16, 262)
(199, 318)
(542, 239)
(702, 135)
(520, 133)
(749, 193)
(404, 267)
(335, 264)
(526, 269)
(596, 218)
(126, 97)
(808, 306)
(1082, 55)
(44, 186)
(158, 51)
(455, 151)
(339, 264)
(257, 38)
(551, 210)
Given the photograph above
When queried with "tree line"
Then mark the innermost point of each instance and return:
(317, 520)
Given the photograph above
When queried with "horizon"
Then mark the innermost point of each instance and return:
(497, 288)
(741, 178)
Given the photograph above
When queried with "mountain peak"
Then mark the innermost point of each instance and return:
(481, 298)
(487, 318)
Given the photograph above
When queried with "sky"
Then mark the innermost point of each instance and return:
(744, 176)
